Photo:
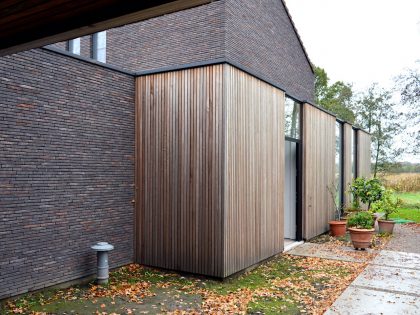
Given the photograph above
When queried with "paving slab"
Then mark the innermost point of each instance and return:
(399, 280)
(322, 251)
(398, 259)
(362, 301)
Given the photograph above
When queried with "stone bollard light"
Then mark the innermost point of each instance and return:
(102, 249)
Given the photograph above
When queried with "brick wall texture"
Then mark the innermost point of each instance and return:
(260, 36)
(67, 131)
(257, 35)
(66, 168)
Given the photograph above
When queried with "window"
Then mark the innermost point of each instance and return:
(99, 46)
(73, 46)
(353, 153)
(339, 161)
(291, 121)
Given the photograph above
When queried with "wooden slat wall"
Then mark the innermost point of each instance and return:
(363, 154)
(254, 158)
(179, 170)
(210, 170)
(318, 170)
(347, 132)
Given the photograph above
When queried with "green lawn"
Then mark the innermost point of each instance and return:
(411, 207)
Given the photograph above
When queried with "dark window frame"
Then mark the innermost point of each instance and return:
(70, 46)
(355, 149)
(295, 130)
(340, 125)
(95, 50)
(299, 167)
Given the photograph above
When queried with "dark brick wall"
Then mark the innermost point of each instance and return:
(178, 38)
(260, 36)
(66, 168)
(257, 35)
(85, 46)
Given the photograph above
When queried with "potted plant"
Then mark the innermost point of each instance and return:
(360, 226)
(337, 226)
(386, 205)
(366, 191)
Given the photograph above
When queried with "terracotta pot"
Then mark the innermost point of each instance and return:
(361, 238)
(386, 226)
(337, 228)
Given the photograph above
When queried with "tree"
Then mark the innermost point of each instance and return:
(408, 86)
(336, 98)
(377, 114)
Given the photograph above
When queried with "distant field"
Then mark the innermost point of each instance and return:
(403, 182)
(407, 187)
(411, 207)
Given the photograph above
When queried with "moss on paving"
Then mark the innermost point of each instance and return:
(258, 278)
(272, 306)
(167, 291)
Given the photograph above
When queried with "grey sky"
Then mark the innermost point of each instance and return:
(361, 41)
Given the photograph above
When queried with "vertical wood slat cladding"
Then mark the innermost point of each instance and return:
(254, 159)
(179, 170)
(347, 176)
(210, 165)
(318, 170)
(363, 154)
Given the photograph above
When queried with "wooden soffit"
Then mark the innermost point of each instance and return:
(27, 24)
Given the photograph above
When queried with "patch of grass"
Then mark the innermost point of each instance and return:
(154, 276)
(411, 207)
(272, 306)
(259, 277)
(410, 198)
(408, 214)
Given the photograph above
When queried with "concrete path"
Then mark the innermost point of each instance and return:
(326, 252)
(390, 284)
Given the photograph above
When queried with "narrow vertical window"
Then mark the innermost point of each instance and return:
(339, 162)
(353, 153)
(355, 149)
(291, 121)
(73, 46)
(99, 46)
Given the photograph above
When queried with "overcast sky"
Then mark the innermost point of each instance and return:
(360, 41)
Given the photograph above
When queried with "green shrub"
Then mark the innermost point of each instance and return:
(365, 190)
(361, 220)
(388, 204)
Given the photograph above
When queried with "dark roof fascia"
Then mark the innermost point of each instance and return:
(88, 60)
(355, 127)
(358, 128)
(215, 62)
(341, 121)
(181, 67)
(320, 108)
(298, 37)
(196, 65)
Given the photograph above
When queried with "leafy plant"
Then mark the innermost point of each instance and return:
(366, 191)
(388, 204)
(361, 220)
